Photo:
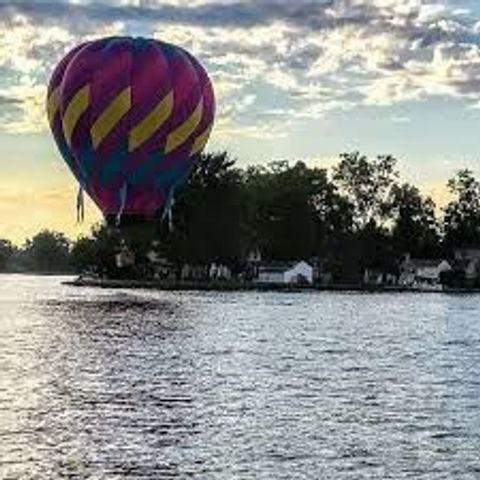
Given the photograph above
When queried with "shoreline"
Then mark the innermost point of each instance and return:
(251, 286)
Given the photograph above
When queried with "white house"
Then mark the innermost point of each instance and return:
(422, 273)
(286, 272)
(219, 272)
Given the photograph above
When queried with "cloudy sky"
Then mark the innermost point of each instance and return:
(303, 79)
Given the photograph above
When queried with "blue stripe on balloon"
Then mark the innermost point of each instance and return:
(114, 166)
(145, 169)
(164, 179)
(77, 168)
(144, 173)
(171, 177)
(67, 154)
(87, 160)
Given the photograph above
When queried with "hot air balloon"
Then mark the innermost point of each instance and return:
(130, 117)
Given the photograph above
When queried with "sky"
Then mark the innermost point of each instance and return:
(294, 80)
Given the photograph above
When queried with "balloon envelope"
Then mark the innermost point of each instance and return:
(130, 117)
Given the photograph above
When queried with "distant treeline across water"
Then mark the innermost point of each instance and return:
(355, 216)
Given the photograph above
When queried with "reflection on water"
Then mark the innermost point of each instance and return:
(107, 384)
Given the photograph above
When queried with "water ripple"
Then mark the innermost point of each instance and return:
(153, 385)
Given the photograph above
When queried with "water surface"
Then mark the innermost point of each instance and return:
(112, 384)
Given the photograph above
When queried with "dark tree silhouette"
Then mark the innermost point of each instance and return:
(209, 215)
(367, 184)
(289, 207)
(462, 215)
(415, 229)
(355, 218)
(47, 251)
(7, 251)
(98, 251)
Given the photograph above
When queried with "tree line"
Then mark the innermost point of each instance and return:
(357, 215)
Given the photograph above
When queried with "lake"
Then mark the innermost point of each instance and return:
(134, 384)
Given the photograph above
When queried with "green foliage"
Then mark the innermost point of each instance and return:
(282, 216)
(415, 228)
(367, 185)
(97, 253)
(210, 214)
(358, 218)
(7, 251)
(462, 215)
(46, 252)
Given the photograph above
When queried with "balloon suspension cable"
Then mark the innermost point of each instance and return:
(170, 215)
(123, 203)
(80, 205)
(168, 209)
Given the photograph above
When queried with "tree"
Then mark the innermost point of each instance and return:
(367, 184)
(97, 251)
(333, 215)
(209, 215)
(415, 228)
(291, 209)
(47, 251)
(462, 215)
(83, 254)
(7, 251)
(360, 218)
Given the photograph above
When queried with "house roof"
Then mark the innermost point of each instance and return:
(464, 263)
(423, 263)
(278, 267)
(155, 258)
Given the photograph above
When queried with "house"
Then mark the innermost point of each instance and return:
(416, 272)
(378, 277)
(372, 276)
(466, 265)
(253, 262)
(286, 272)
(321, 274)
(162, 268)
(254, 256)
(125, 257)
(219, 272)
(192, 272)
(467, 254)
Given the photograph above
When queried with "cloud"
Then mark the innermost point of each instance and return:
(6, 100)
(28, 101)
(243, 14)
(305, 58)
(28, 52)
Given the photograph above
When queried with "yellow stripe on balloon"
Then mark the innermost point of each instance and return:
(151, 123)
(53, 104)
(109, 118)
(74, 111)
(201, 141)
(181, 134)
